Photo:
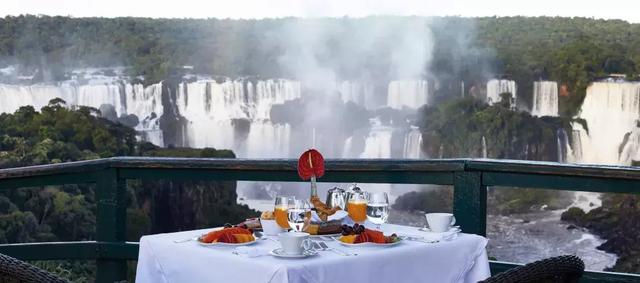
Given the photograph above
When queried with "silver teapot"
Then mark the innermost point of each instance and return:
(337, 197)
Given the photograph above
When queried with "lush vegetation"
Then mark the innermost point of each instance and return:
(67, 213)
(456, 129)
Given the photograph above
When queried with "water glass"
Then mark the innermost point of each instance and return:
(297, 213)
(377, 208)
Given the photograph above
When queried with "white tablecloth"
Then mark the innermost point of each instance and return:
(463, 259)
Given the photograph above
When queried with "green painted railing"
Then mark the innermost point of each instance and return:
(469, 178)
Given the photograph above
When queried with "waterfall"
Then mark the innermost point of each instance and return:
(562, 140)
(347, 148)
(411, 94)
(126, 98)
(378, 143)
(413, 144)
(359, 93)
(496, 87)
(484, 147)
(545, 98)
(215, 112)
(611, 110)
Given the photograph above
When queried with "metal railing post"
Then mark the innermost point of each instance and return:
(110, 223)
(470, 202)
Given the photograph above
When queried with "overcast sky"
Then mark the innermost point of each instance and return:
(613, 9)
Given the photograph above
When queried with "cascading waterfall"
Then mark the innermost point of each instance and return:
(496, 87)
(484, 147)
(413, 144)
(545, 98)
(215, 111)
(359, 93)
(611, 110)
(562, 140)
(126, 98)
(378, 143)
(411, 94)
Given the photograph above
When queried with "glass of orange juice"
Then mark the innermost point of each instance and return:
(357, 207)
(280, 211)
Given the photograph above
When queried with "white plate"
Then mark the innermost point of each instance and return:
(325, 235)
(221, 244)
(368, 244)
(280, 253)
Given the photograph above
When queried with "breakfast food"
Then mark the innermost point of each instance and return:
(359, 234)
(232, 235)
(267, 215)
(322, 209)
(324, 228)
(251, 224)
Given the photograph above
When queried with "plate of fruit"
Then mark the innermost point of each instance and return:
(359, 236)
(228, 236)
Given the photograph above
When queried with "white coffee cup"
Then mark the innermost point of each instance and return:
(440, 222)
(294, 243)
(271, 227)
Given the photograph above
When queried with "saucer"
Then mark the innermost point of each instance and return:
(452, 229)
(279, 252)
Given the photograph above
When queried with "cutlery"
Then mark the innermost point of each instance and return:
(325, 247)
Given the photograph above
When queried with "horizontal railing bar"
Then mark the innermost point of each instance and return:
(54, 169)
(82, 250)
(386, 177)
(331, 165)
(565, 183)
(588, 276)
(48, 180)
(553, 168)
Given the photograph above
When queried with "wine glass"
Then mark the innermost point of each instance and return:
(280, 211)
(298, 211)
(377, 208)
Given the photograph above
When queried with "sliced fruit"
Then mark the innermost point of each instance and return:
(350, 239)
(244, 238)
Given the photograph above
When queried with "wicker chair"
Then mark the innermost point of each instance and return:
(561, 269)
(14, 270)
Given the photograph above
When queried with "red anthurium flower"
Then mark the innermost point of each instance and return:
(311, 163)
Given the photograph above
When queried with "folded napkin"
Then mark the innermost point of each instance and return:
(250, 251)
(340, 214)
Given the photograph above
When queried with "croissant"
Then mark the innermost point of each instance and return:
(322, 209)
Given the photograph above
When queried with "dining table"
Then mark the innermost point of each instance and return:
(419, 257)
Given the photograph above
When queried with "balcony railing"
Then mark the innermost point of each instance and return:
(469, 178)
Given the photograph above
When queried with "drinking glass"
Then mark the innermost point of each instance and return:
(280, 211)
(377, 208)
(298, 212)
(357, 206)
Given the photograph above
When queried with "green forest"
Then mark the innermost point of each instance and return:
(67, 213)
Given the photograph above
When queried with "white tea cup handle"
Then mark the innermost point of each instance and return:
(453, 220)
